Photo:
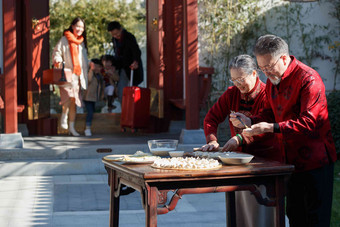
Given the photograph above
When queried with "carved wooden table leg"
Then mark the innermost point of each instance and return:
(114, 201)
(162, 197)
(230, 208)
(151, 207)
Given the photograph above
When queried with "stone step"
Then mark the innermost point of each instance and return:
(102, 123)
(69, 152)
(74, 161)
(51, 167)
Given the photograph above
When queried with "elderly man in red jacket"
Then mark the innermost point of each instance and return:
(296, 110)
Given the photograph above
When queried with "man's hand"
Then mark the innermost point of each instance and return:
(233, 117)
(231, 145)
(211, 146)
(259, 128)
(57, 65)
(134, 65)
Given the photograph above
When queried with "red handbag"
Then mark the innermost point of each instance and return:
(57, 76)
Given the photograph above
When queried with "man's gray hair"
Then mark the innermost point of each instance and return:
(244, 62)
(270, 44)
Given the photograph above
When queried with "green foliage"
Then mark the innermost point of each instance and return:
(334, 45)
(230, 27)
(312, 38)
(335, 219)
(97, 14)
(224, 32)
(333, 101)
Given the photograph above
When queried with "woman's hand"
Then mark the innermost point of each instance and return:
(92, 66)
(211, 146)
(231, 145)
(233, 117)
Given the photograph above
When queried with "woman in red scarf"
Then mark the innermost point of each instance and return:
(72, 51)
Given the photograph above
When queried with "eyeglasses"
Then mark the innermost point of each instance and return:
(269, 68)
(238, 80)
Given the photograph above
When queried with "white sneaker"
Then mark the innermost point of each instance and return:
(88, 132)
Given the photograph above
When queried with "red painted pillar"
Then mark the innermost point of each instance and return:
(191, 64)
(10, 68)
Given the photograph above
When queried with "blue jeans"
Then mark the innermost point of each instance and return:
(122, 83)
(90, 107)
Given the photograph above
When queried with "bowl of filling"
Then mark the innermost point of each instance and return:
(234, 158)
(176, 153)
(162, 147)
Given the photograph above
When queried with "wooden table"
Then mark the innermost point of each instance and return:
(153, 184)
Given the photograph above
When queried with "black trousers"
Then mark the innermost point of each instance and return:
(309, 197)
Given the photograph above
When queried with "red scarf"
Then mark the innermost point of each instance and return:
(73, 43)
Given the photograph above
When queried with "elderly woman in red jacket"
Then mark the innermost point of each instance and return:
(247, 96)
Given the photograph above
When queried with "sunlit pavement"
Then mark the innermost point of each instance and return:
(61, 181)
(83, 200)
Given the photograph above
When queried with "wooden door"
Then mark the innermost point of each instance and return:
(1, 39)
(155, 57)
(165, 60)
(35, 47)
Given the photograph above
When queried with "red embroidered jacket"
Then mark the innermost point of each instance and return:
(298, 104)
(263, 145)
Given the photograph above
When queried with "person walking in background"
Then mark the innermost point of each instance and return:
(296, 111)
(248, 97)
(71, 50)
(94, 92)
(111, 78)
(128, 55)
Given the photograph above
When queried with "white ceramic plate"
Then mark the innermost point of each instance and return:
(131, 159)
(236, 158)
(115, 157)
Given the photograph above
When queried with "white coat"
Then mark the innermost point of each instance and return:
(61, 53)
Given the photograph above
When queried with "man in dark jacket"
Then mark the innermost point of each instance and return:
(127, 51)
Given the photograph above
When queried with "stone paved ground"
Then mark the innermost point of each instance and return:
(61, 182)
(83, 200)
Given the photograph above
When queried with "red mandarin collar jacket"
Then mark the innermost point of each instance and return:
(298, 104)
(264, 145)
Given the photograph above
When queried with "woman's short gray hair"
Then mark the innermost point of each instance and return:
(244, 62)
(270, 44)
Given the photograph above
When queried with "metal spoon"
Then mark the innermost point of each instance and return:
(239, 118)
